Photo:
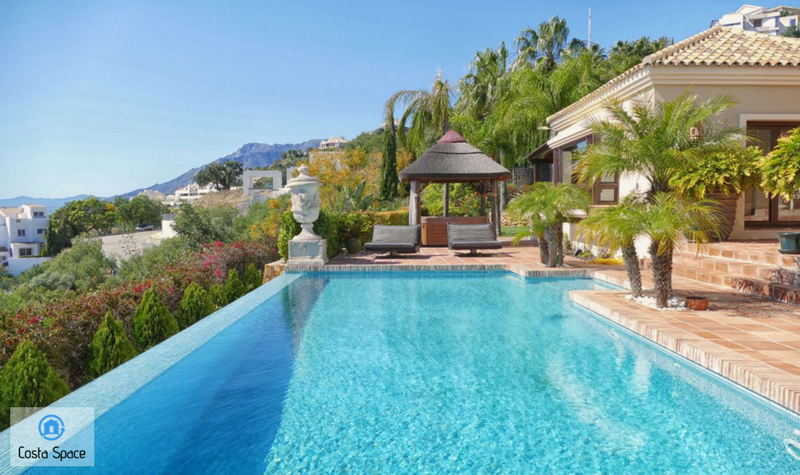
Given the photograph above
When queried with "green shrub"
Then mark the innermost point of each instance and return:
(356, 225)
(196, 304)
(252, 278)
(217, 294)
(390, 218)
(234, 288)
(28, 380)
(729, 171)
(152, 322)
(327, 226)
(464, 199)
(109, 348)
(781, 168)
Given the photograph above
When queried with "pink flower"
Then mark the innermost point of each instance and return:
(219, 274)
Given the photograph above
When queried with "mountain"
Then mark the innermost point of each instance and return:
(51, 203)
(251, 155)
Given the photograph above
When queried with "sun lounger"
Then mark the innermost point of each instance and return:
(394, 239)
(471, 237)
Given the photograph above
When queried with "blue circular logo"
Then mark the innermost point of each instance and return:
(51, 427)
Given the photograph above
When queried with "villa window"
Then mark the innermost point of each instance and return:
(605, 191)
(761, 211)
(20, 233)
(25, 252)
(40, 231)
(38, 214)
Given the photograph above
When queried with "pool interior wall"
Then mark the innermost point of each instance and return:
(467, 372)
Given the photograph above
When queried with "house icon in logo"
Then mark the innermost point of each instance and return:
(51, 427)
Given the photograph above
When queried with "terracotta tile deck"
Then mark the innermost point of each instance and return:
(748, 339)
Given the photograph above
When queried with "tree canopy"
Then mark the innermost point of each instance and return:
(139, 210)
(76, 218)
(222, 175)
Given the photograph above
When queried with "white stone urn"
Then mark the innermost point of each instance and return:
(307, 248)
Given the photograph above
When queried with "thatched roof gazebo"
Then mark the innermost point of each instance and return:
(453, 160)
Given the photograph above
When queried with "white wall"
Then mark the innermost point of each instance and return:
(249, 175)
(167, 229)
(18, 265)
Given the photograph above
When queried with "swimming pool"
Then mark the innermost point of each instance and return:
(403, 372)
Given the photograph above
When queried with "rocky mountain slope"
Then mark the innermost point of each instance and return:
(251, 155)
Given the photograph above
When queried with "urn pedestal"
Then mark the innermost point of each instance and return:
(307, 248)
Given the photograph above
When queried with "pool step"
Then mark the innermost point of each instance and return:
(773, 290)
(754, 253)
(756, 272)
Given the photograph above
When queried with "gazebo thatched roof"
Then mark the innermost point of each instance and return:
(453, 160)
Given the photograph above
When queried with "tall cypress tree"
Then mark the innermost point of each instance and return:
(28, 380)
(152, 322)
(389, 180)
(110, 347)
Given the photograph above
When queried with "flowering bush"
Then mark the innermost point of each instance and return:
(63, 328)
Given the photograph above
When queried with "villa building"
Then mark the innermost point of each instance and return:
(761, 73)
(333, 143)
(189, 194)
(22, 232)
(772, 21)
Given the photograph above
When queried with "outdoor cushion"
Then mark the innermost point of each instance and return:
(395, 234)
(467, 245)
(394, 239)
(472, 236)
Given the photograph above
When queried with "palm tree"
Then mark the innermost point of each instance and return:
(482, 87)
(543, 46)
(668, 219)
(531, 95)
(547, 206)
(617, 228)
(428, 111)
(657, 138)
(627, 54)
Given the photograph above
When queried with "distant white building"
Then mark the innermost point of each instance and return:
(189, 193)
(772, 21)
(332, 143)
(22, 232)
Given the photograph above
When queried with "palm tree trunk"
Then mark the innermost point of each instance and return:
(632, 267)
(559, 237)
(552, 244)
(544, 249)
(662, 274)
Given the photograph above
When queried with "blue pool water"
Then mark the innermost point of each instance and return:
(437, 373)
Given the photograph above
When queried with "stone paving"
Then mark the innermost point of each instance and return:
(748, 339)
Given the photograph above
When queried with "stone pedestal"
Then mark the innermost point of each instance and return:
(308, 253)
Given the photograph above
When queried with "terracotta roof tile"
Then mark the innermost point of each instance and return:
(718, 46)
(730, 47)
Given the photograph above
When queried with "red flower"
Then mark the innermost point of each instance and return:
(219, 274)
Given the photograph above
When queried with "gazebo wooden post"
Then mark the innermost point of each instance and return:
(413, 204)
(483, 199)
(495, 209)
(446, 200)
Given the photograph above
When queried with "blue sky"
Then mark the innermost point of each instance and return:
(104, 97)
